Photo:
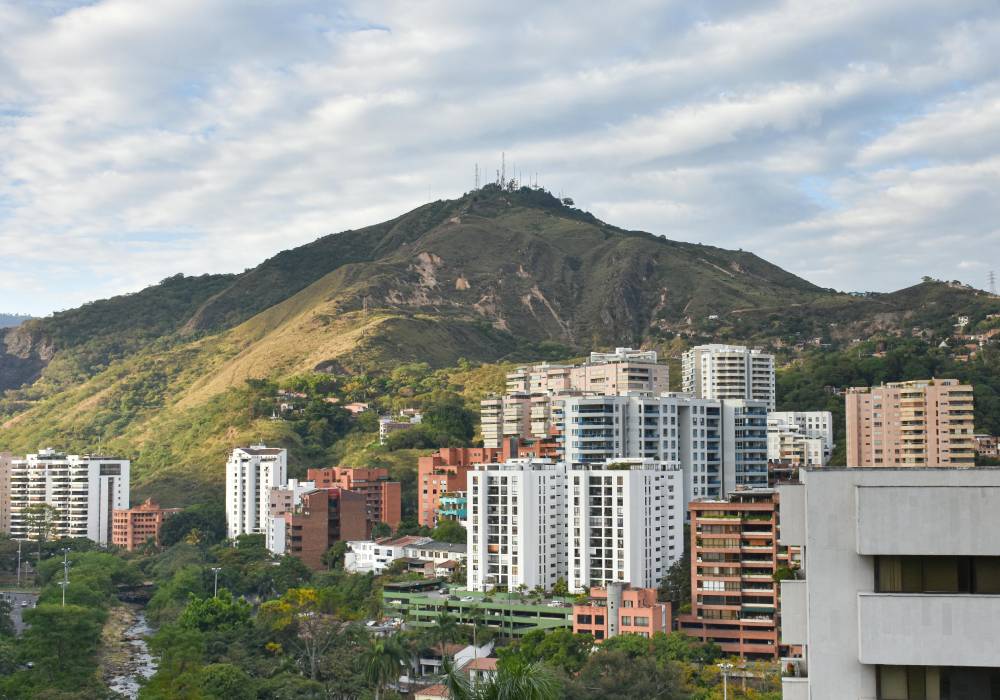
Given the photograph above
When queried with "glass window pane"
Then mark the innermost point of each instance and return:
(892, 682)
(987, 574)
(940, 575)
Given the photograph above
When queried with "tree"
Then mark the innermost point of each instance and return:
(42, 520)
(560, 588)
(524, 681)
(209, 519)
(298, 619)
(380, 530)
(382, 661)
(61, 641)
(226, 682)
(449, 531)
(221, 613)
(445, 630)
(613, 675)
(559, 648)
(676, 585)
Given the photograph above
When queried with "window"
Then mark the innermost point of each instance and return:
(929, 574)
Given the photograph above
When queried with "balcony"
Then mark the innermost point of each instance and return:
(913, 629)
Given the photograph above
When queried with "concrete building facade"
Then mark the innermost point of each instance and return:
(800, 438)
(251, 473)
(900, 592)
(281, 500)
(5, 458)
(620, 609)
(911, 424)
(728, 372)
(85, 490)
(735, 554)
(384, 497)
(133, 527)
(517, 524)
(446, 472)
(626, 522)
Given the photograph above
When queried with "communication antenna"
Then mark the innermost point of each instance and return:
(364, 317)
(503, 169)
(993, 282)
(477, 176)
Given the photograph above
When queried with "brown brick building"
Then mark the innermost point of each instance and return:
(325, 516)
(734, 557)
(382, 496)
(133, 527)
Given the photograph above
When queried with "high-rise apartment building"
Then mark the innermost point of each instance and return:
(5, 458)
(734, 558)
(517, 524)
(719, 445)
(384, 497)
(84, 490)
(729, 372)
(621, 609)
(322, 518)
(626, 522)
(528, 408)
(899, 592)
(925, 423)
(131, 528)
(251, 473)
(800, 438)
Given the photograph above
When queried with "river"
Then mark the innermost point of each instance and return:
(137, 664)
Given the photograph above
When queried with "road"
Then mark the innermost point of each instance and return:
(16, 600)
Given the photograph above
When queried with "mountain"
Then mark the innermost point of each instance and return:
(494, 275)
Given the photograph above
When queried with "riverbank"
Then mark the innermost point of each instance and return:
(124, 660)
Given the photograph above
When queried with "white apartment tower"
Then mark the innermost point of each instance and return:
(626, 522)
(84, 490)
(804, 438)
(729, 372)
(251, 473)
(517, 524)
(718, 445)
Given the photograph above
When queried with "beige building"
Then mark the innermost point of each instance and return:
(531, 404)
(922, 423)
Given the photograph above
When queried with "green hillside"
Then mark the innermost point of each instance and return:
(166, 376)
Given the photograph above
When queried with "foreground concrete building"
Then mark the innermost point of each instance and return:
(911, 424)
(728, 372)
(900, 592)
(85, 490)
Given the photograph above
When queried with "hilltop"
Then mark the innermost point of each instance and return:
(496, 275)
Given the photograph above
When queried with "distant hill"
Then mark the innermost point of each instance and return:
(11, 320)
(494, 275)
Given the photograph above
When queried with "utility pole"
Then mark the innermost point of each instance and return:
(19, 563)
(216, 570)
(65, 582)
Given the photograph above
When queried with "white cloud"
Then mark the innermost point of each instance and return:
(141, 139)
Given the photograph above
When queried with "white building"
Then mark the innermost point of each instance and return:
(626, 522)
(281, 500)
(728, 372)
(900, 596)
(375, 556)
(719, 445)
(517, 524)
(387, 425)
(84, 490)
(251, 473)
(804, 438)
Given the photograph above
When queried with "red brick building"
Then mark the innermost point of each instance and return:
(620, 609)
(446, 472)
(734, 557)
(323, 517)
(133, 527)
(383, 497)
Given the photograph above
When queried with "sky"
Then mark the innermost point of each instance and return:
(856, 144)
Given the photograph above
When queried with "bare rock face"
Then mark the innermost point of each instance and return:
(24, 353)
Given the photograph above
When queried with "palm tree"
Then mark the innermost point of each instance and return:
(382, 660)
(445, 630)
(514, 680)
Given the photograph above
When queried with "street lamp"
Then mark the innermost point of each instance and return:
(19, 563)
(65, 581)
(726, 668)
(216, 570)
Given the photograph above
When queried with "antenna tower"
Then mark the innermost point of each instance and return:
(477, 176)
(364, 317)
(993, 282)
(503, 169)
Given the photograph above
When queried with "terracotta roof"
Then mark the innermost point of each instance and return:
(483, 663)
(433, 691)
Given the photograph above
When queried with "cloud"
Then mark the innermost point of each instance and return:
(851, 143)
